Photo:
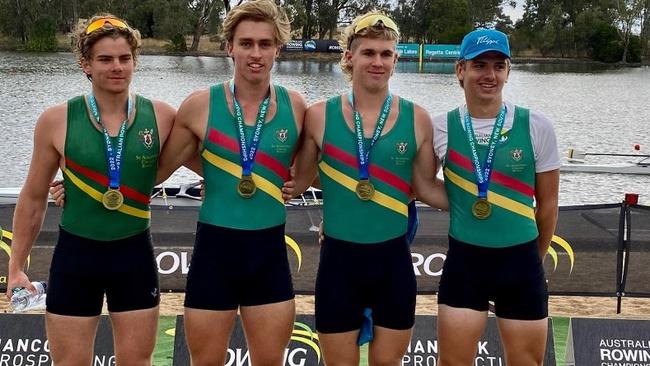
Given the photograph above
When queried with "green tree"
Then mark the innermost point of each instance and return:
(628, 16)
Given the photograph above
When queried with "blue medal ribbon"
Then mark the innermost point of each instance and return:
(113, 154)
(363, 156)
(484, 172)
(247, 152)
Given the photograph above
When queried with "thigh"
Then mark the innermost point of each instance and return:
(388, 346)
(266, 268)
(134, 336)
(459, 330)
(262, 320)
(208, 334)
(135, 290)
(340, 349)
(524, 341)
(394, 297)
(339, 295)
(214, 281)
(521, 292)
(464, 282)
(71, 338)
(75, 294)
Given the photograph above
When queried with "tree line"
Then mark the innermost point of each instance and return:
(604, 30)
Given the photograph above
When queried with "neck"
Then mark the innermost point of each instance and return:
(111, 103)
(484, 109)
(369, 100)
(247, 92)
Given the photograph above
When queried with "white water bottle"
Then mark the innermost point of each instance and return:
(24, 300)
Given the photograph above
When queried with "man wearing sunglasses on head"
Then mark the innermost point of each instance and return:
(373, 151)
(501, 167)
(107, 144)
(246, 130)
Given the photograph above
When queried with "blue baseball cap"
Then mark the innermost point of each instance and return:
(482, 40)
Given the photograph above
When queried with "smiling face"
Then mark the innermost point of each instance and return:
(111, 65)
(483, 77)
(372, 61)
(253, 50)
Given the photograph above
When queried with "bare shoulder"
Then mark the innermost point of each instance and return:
(165, 113)
(421, 115)
(53, 119)
(315, 114)
(297, 99)
(196, 104)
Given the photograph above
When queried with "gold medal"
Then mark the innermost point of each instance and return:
(112, 199)
(246, 186)
(365, 190)
(481, 209)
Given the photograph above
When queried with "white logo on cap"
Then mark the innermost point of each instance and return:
(486, 40)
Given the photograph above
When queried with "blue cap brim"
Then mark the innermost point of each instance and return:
(473, 55)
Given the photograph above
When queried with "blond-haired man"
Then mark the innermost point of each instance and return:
(245, 130)
(373, 150)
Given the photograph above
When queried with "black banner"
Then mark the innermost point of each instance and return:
(582, 259)
(303, 349)
(312, 45)
(608, 342)
(423, 349)
(23, 341)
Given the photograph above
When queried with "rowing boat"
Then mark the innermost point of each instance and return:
(576, 162)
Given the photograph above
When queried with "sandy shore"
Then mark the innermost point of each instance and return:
(565, 306)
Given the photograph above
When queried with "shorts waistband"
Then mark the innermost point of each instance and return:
(69, 239)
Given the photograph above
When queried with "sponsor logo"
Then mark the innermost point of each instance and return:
(516, 154)
(430, 265)
(558, 241)
(281, 134)
(302, 333)
(296, 249)
(6, 236)
(309, 45)
(402, 147)
(486, 40)
(146, 136)
(170, 262)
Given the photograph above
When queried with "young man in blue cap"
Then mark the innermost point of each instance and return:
(501, 167)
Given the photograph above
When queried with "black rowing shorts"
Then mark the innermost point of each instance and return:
(84, 270)
(354, 276)
(512, 277)
(232, 268)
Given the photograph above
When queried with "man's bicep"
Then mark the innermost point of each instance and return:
(45, 160)
(547, 185)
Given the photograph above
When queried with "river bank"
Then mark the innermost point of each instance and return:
(209, 47)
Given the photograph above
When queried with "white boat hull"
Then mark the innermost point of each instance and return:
(617, 168)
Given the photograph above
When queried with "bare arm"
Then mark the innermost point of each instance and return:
(183, 143)
(32, 202)
(427, 187)
(307, 156)
(546, 207)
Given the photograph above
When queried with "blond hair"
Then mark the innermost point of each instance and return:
(259, 11)
(84, 42)
(348, 40)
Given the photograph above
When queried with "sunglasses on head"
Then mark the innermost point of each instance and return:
(371, 21)
(374, 19)
(100, 23)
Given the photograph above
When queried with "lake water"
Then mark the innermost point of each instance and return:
(596, 109)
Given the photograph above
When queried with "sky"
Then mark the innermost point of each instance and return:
(516, 13)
